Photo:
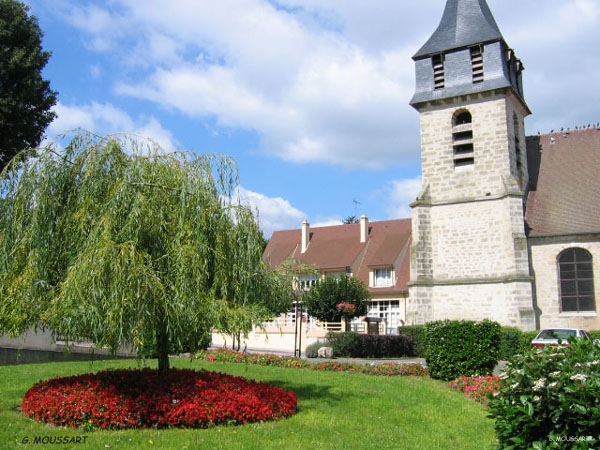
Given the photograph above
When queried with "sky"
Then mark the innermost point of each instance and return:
(310, 97)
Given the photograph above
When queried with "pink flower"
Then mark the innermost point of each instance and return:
(346, 308)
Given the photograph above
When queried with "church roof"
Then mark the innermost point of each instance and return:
(334, 248)
(565, 194)
(464, 23)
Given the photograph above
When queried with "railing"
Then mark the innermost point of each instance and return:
(310, 324)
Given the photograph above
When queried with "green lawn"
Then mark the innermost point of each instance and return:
(336, 411)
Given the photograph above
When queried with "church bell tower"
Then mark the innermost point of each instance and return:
(469, 257)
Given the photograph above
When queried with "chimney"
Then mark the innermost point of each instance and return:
(364, 228)
(305, 235)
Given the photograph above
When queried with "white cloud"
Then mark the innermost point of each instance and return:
(310, 92)
(275, 213)
(107, 119)
(401, 194)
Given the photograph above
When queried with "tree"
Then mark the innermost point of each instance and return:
(25, 97)
(350, 220)
(115, 241)
(328, 300)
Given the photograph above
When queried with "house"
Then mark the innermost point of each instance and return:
(378, 253)
(506, 227)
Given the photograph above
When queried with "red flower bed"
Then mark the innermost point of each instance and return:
(148, 399)
(477, 388)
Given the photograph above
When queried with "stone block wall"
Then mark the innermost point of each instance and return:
(544, 253)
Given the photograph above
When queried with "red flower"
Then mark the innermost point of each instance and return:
(346, 308)
(145, 398)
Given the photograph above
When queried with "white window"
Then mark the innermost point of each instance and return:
(337, 275)
(307, 281)
(383, 277)
(389, 311)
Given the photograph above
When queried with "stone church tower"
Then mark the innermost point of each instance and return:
(469, 255)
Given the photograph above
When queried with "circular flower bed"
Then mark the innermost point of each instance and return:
(147, 398)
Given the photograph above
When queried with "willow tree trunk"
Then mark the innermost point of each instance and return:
(162, 347)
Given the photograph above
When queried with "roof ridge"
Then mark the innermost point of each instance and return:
(577, 128)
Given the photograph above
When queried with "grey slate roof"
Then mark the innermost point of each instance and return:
(464, 23)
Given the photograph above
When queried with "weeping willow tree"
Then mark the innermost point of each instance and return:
(115, 241)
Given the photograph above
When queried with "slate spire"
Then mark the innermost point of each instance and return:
(464, 23)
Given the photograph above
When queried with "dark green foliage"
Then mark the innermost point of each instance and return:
(25, 97)
(461, 348)
(511, 342)
(343, 344)
(595, 334)
(549, 398)
(526, 339)
(312, 350)
(323, 299)
(356, 345)
(416, 333)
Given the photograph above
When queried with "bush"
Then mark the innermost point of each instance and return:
(356, 345)
(343, 344)
(550, 398)
(461, 348)
(417, 335)
(312, 350)
(595, 334)
(511, 342)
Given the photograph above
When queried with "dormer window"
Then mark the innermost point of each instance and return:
(477, 63)
(437, 62)
(307, 280)
(462, 139)
(383, 277)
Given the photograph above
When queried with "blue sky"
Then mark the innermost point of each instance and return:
(310, 97)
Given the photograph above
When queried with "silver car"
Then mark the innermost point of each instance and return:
(556, 336)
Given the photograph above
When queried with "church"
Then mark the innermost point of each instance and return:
(506, 226)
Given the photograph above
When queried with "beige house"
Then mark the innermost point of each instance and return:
(506, 227)
(376, 252)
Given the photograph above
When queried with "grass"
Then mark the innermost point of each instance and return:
(336, 411)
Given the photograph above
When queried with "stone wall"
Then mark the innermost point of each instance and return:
(544, 253)
(469, 256)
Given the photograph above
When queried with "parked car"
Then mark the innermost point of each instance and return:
(556, 336)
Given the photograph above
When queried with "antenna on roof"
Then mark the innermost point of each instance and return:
(356, 203)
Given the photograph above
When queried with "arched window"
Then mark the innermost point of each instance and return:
(576, 280)
(462, 139)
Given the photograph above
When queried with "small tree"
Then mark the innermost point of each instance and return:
(25, 97)
(115, 241)
(331, 299)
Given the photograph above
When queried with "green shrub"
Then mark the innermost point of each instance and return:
(417, 335)
(526, 339)
(386, 346)
(461, 348)
(343, 344)
(549, 398)
(356, 345)
(595, 334)
(312, 350)
(511, 342)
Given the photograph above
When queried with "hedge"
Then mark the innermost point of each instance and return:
(461, 348)
(417, 335)
(354, 345)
